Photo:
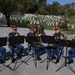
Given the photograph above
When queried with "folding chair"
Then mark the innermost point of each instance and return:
(31, 40)
(3, 42)
(16, 40)
(50, 40)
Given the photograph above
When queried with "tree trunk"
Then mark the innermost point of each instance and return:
(8, 20)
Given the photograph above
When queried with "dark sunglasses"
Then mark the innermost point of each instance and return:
(56, 29)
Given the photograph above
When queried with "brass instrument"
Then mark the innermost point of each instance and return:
(38, 34)
(73, 38)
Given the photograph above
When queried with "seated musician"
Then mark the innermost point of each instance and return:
(19, 47)
(38, 51)
(71, 54)
(2, 54)
(53, 51)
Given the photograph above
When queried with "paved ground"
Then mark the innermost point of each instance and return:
(30, 69)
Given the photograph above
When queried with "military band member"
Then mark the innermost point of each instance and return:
(71, 54)
(54, 51)
(2, 54)
(30, 33)
(38, 51)
(19, 47)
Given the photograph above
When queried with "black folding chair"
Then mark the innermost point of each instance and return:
(16, 40)
(66, 43)
(30, 40)
(48, 40)
(3, 42)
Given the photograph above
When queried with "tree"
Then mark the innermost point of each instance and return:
(70, 12)
(73, 5)
(7, 7)
(54, 8)
(30, 6)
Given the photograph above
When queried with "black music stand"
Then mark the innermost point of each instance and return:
(31, 40)
(3, 42)
(16, 40)
(66, 43)
(49, 40)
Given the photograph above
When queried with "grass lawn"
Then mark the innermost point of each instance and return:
(1, 23)
(26, 25)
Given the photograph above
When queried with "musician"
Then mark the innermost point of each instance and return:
(38, 51)
(71, 54)
(2, 54)
(19, 47)
(64, 27)
(55, 50)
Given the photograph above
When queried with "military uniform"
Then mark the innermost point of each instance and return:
(55, 51)
(71, 54)
(37, 51)
(19, 47)
(2, 54)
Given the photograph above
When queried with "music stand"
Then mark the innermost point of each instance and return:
(49, 40)
(3, 42)
(66, 43)
(31, 40)
(16, 40)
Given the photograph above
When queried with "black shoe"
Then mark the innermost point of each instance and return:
(57, 61)
(53, 57)
(18, 57)
(38, 58)
(70, 62)
(13, 61)
(2, 61)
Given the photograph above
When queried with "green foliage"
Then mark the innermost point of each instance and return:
(9, 7)
(70, 12)
(43, 11)
(19, 24)
(1, 23)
